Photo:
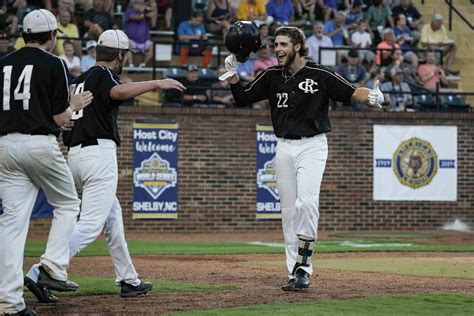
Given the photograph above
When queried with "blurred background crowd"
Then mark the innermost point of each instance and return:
(362, 40)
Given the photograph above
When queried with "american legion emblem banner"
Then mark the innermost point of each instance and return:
(415, 163)
(155, 171)
(268, 199)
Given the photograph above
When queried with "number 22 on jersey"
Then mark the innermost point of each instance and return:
(24, 83)
(77, 89)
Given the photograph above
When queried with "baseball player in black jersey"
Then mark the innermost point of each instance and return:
(92, 156)
(299, 91)
(35, 104)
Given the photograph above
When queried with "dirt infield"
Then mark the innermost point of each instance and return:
(257, 284)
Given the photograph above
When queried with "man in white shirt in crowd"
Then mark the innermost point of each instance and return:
(361, 38)
(87, 61)
(318, 39)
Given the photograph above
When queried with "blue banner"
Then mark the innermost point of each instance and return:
(155, 175)
(42, 208)
(268, 199)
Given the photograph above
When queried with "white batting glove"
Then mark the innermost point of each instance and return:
(231, 65)
(376, 96)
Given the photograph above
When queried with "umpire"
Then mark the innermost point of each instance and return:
(299, 91)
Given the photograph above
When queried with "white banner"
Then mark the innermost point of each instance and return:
(415, 163)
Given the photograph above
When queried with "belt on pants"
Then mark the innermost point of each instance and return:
(297, 137)
(89, 142)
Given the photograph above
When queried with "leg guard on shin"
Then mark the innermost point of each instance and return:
(305, 251)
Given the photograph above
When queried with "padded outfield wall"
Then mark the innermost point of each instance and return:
(217, 173)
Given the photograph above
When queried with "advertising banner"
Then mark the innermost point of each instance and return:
(155, 171)
(415, 163)
(268, 200)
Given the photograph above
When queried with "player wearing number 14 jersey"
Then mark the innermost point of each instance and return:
(35, 103)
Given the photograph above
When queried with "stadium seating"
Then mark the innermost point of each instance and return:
(454, 103)
(425, 103)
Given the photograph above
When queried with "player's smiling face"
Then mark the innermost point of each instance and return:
(284, 50)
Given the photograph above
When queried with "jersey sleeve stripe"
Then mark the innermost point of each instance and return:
(260, 76)
(111, 76)
(336, 75)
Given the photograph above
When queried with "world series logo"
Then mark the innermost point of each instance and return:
(415, 163)
(155, 175)
(266, 178)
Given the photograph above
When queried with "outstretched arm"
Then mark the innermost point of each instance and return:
(372, 97)
(130, 90)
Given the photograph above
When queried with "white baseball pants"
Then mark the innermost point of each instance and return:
(299, 166)
(95, 172)
(27, 163)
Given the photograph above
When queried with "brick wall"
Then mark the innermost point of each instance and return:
(217, 173)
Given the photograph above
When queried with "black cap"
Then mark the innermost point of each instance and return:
(353, 53)
(192, 67)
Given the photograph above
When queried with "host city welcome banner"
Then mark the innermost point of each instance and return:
(415, 163)
(155, 170)
(268, 199)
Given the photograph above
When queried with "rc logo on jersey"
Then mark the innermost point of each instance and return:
(155, 175)
(308, 86)
(266, 178)
(415, 163)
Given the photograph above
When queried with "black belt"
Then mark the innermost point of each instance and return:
(296, 137)
(89, 142)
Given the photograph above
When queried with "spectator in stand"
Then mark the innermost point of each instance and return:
(219, 17)
(282, 11)
(352, 70)
(402, 98)
(329, 8)
(413, 17)
(336, 30)
(410, 67)
(305, 9)
(379, 16)
(385, 48)
(73, 62)
(137, 28)
(264, 58)
(435, 36)
(396, 60)
(354, 16)
(375, 74)
(402, 32)
(362, 3)
(193, 33)
(88, 60)
(65, 5)
(8, 18)
(264, 34)
(165, 8)
(430, 73)
(253, 10)
(96, 20)
(195, 94)
(361, 38)
(70, 31)
(317, 40)
(220, 91)
(4, 50)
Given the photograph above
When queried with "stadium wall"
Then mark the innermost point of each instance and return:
(216, 173)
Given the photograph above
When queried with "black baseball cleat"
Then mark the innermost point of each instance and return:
(301, 280)
(129, 290)
(290, 286)
(42, 294)
(26, 312)
(46, 281)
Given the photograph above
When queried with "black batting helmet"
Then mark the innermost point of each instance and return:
(242, 39)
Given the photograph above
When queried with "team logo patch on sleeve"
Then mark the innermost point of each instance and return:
(415, 163)
(155, 175)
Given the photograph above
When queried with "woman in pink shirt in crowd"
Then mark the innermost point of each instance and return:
(430, 73)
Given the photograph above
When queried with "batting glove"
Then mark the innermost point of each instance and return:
(376, 96)
(231, 65)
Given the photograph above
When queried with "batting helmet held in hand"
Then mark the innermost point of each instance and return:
(242, 39)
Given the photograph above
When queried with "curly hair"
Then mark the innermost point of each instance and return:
(296, 36)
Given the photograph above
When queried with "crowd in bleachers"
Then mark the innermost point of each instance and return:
(367, 40)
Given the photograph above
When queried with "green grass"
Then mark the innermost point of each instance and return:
(416, 305)
(384, 235)
(35, 248)
(101, 286)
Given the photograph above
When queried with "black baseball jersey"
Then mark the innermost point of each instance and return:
(98, 119)
(34, 88)
(299, 103)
